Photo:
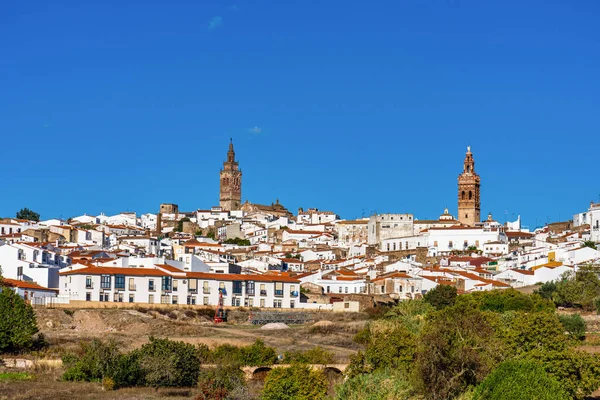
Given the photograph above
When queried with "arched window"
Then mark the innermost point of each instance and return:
(468, 168)
(463, 195)
(470, 195)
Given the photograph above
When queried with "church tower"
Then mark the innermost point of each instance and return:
(231, 182)
(469, 190)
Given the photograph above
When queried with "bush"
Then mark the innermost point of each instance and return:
(389, 345)
(546, 290)
(218, 383)
(525, 332)
(297, 382)
(411, 313)
(578, 289)
(523, 380)
(97, 360)
(17, 322)
(166, 363)
(597, 304)
(574, 325)
(316, 355)
(458, 347)
(258, 354)
(376, 386)
(578, 372)
(441, 296)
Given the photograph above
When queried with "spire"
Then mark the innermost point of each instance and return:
(230, 153)
(469, 164)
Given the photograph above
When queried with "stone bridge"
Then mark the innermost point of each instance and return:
(255, 372)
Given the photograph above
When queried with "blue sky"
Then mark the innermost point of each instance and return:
(350, 106)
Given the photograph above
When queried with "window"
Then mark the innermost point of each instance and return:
(340, 289)
(262, 302)
(222, 288)
(249, 302)
(277, 303)
(105, 281)
(466, 243)
(88, 296)
(205, 288)
(235, 301)
(278, 288)
(293, 290)
(167, 283)
(470, 195)
(175, 284)
(103, 296)
(88, 282)
(237, 287)
(250, 288)
(435, 243)
(191, 300)
(388, 247)
(477, 243)
(205, 300)
(328, 289)
(118, 297)
(120, 282)
(346, 289)
(165, 299)
(131, 297)
(151, 285)
(464, 195)
(131, 283)
(412, 289)
(175, 299)
(193, 286)
(450, 244)
(263, 290)
(151, 298)
(292, 304)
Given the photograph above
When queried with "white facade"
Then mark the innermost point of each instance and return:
(445, 240)
(32, 263)
(161, 284)
(386, 226)
(595, 222)
(314, 216)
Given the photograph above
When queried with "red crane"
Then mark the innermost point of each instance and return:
(220, 315)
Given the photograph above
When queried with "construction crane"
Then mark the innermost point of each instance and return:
(220, 314)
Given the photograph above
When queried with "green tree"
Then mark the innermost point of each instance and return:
(547, 290)
(524, 332)
(258, 354)
(458, 347)
(167, 363)
(26, 213)
(441, 296)
(411, 313)
(589, 243)
(238, 241)
(220, 383)
(97, 360)
(316, 355)
(574, 325)
(297, 382)
(17, 322)
(578, 372)
(578, 289)
(520, 379)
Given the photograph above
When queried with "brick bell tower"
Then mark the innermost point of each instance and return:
(469, 192)
(231, 182)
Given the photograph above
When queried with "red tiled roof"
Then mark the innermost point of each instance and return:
(24, 285)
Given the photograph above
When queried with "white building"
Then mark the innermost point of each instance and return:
(28, 290)
(314, 216)
(169, 285)
(386, 226)
(595, 222)
(32, 263)
(444, 240)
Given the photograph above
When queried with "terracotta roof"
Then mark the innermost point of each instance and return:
(524, 271)
(24, 285)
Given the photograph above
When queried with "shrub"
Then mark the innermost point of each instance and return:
(458, 348)
(258, 354)
(441, 296)
(166, 363)
(375, 386)
(597, 304)
(17, 322)
(297, 382)
(98, 360)
(316, 355)
(578, 372)
(574, 325)
(524, 332)
(218, 383)
(578, 289)
(547, 290)
(411, 313)
(521, 379)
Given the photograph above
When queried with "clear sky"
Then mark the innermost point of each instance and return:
(349, 106)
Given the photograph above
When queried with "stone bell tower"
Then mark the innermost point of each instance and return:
(231, 182)
(469, 192)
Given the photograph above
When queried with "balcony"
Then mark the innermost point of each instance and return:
(132, 288)
(294, 293)
(279, 293)
(250, 292)
(90, 286)
(263, 292)
(206, 290)
(194, 291)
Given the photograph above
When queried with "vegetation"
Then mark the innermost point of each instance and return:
(221, 382)
(257, 354)
(26, 213)
(17, 323)
(179, 225)
(522, 379)
(591, 244)
(316, 355)
(574, 325)
(380, 385)
(578, 289)
(16, 376)
(297, 382)
(441, 296)
(238, 241)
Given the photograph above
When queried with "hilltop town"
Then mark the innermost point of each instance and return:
(242, 254)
